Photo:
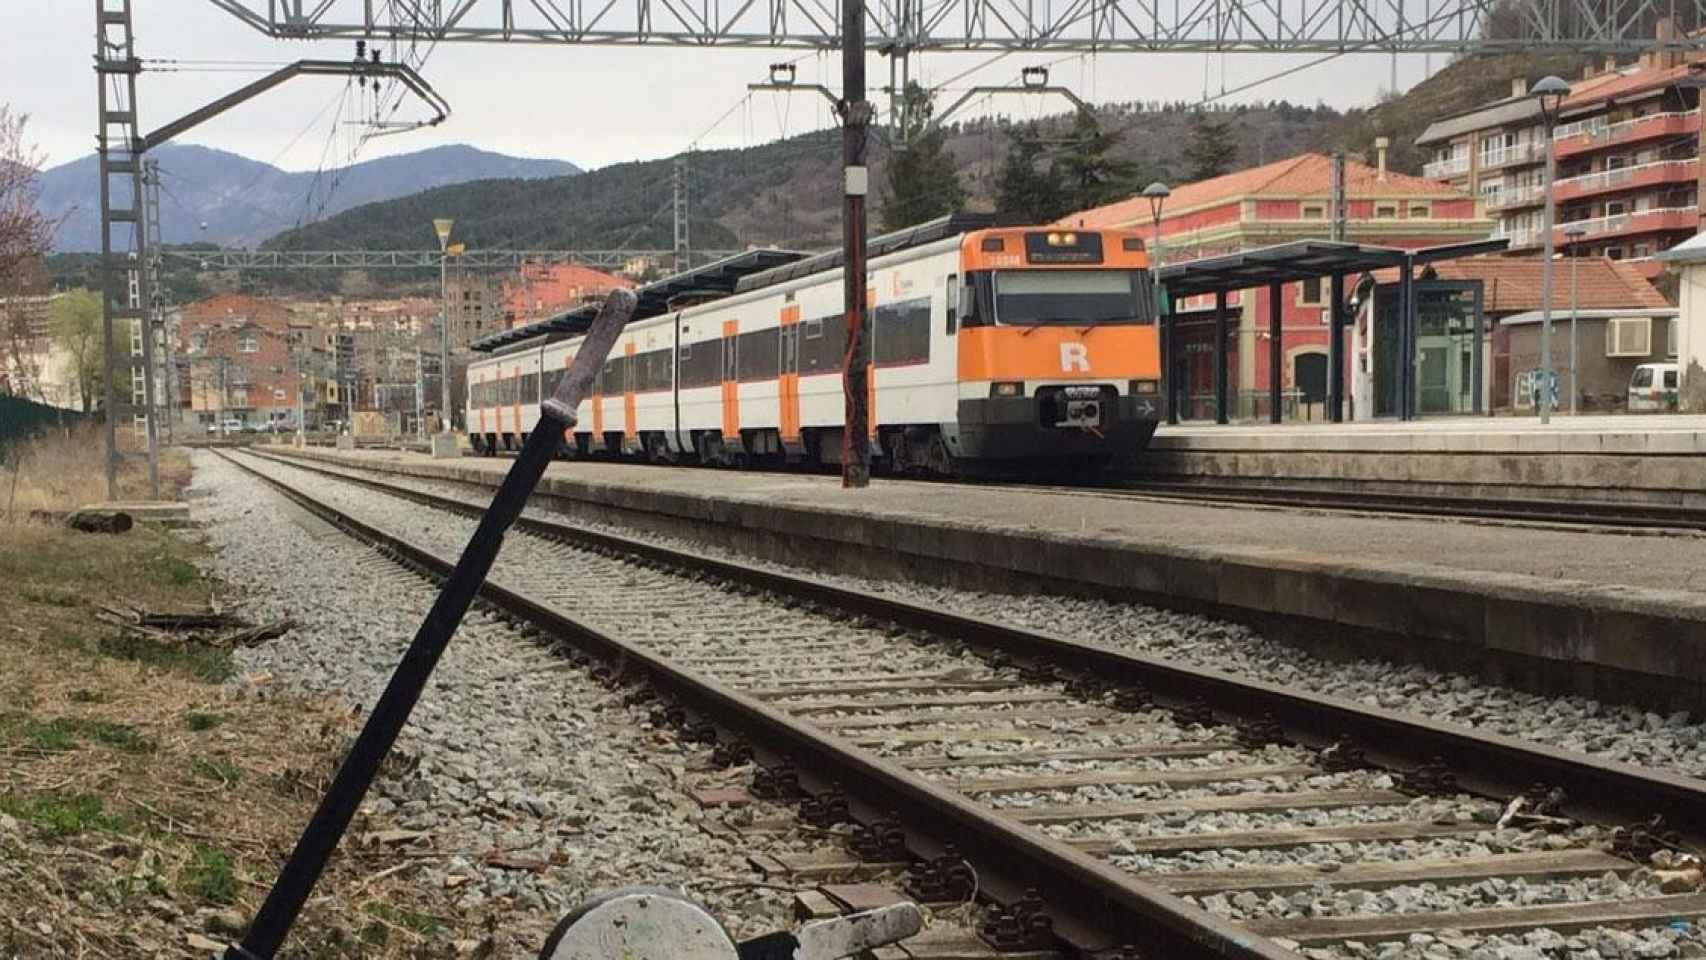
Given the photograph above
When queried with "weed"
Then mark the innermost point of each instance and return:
(63, 733)
(217, 768)
(59, 814)
(422, 923)
(207, 664)
(52, 598)
(210, 875)
(175, 571)
(198, 721)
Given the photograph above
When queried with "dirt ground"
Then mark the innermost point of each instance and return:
(145, 805)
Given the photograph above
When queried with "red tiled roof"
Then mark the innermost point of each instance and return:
(1512, 284)
(1610, 85)
(1305, 175)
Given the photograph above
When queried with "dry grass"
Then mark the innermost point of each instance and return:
(142, 806)
(65, 469)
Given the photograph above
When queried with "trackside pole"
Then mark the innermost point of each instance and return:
(329, 822)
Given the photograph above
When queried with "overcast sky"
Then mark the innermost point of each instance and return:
(589, 105)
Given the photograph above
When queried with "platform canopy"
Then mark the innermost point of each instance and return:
(1284, 263)
(1303, 260)
(716, 279)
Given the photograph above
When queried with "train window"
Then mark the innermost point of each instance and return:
(820, 352)
(759, 355)
(530, 388)
(902, 332)
(1072, 297)
(507, 390)
(615, 376)
(651, 370)
(552, 379)
(952, 294)
(701, 367)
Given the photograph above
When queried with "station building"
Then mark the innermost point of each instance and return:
(1628, 158)
(1283, 201)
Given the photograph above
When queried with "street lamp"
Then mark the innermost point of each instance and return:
(441, 228)
(1157, 193)
(1573, 233)
(1550, 91)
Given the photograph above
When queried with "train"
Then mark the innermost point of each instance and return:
(990, 347)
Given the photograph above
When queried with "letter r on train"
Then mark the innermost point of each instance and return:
(1074, 357)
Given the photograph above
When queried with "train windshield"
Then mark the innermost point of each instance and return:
(1072, 298)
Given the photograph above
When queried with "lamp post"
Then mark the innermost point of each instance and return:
(1157, 193)
(1550, 91)
(441, 228)
(1574, 234)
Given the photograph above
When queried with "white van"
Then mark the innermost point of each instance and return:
(1653, 387)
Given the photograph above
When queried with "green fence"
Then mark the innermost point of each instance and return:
(21, 419)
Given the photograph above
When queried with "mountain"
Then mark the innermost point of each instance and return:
(244, 201)
(783, 193)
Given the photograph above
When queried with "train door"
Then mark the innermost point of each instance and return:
(731, 384)
(788, 380)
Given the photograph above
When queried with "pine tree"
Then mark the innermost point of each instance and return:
(921, 182)
(1088, 176)
(1212, 150)
(1026, 191)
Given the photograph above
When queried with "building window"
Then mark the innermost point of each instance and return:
(1314, 211)
(1309, 292)
(1614, 253)
(1629, 337)
(1386, 211)
(248, 344)
(1420, 211)
(1643, 251)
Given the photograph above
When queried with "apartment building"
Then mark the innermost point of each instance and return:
(1627, 146)
(539, 290)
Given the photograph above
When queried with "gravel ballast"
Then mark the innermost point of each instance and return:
(531, 784)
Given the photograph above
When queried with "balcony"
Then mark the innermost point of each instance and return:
(1532, 152)
(1623, 224)
(1627, 178)
(1523, 195)
(1449, 167)
(1584, 135)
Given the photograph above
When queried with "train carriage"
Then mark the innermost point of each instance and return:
(987, 345)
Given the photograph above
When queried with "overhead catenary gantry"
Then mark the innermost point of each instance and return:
(416, 259)
(915, 26)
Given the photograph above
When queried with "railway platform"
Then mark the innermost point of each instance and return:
(1614, 615)
(1656, 459)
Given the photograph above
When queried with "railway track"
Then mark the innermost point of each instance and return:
(1183, 810)
(1624, 517)
(1649, 518)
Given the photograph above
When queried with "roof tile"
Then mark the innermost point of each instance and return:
(1305, 175)
(1512, 284)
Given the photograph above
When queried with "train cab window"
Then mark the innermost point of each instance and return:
(1072, 297)
(952, 291)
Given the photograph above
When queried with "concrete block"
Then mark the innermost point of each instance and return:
(444, 446)
(346, 443)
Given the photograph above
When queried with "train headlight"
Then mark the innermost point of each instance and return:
(1007, 388)
(1145, 388)
(1063, 239)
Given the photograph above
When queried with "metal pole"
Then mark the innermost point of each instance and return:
(1164, 324)
(1574, 309)
(444, 342)
(1546, 283)
(1276, 350)
(296, 881)
(855, 118)
(1336, 351)
(1221, 415)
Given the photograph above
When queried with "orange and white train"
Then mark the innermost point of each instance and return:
(988, 346)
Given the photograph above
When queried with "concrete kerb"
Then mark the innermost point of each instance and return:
(1612, 642)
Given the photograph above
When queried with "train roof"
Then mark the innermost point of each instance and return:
(917, 235)
(719, 279)
(751, 270)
